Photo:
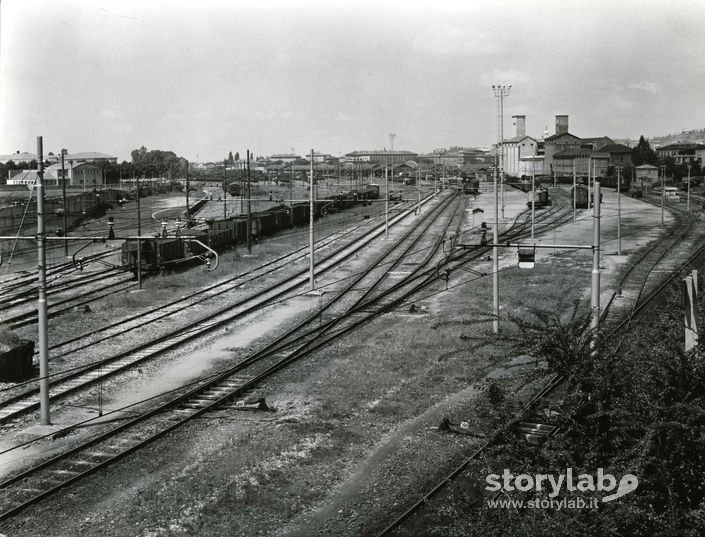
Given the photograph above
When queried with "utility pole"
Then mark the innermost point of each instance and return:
(595, 299)
(139, 233)
(188, 216)
(42, 317)
(500, 91)
(63, 196)
(663, 193)
(495, 260)
(589, 187)
(225, 192)
(574, 192)
(311, 210)
(688, 205)
(241, 172)
(291, 193)
(386, 200)
(533, 198)
(619, 210)
(249, 215)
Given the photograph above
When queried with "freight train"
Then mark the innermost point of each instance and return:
(162, 252)
(580, 194)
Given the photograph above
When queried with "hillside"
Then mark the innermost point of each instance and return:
(691, 136)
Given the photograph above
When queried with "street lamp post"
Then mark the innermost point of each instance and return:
(501, 91)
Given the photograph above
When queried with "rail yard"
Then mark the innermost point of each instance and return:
(348, 269)
(238, 401)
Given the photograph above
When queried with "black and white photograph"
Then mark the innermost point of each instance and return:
(311, 268)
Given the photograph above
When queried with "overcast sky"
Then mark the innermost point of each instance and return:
(205, 77)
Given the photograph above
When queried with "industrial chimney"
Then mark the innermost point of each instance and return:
(561, 124)
(520, 124)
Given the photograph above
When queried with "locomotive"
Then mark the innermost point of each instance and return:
(541, 198)
(162, 252)
(471, 186)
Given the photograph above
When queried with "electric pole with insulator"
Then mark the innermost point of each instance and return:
(500, 91)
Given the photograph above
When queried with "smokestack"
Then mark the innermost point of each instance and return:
(561, 124)
(520, 123)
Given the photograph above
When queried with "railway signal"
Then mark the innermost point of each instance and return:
(527, 257)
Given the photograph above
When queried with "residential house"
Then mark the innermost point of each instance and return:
(683, 153)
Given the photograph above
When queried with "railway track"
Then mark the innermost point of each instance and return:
(61, 306)
(162, 312)
(530, 422)
(21, 291)
(82, 377)
(21, 285)
(45, 478)
(632, 285)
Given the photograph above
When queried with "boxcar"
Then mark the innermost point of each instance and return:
(580, 193)
(541, 199)
(156, 253)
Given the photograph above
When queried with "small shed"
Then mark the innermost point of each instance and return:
(646, 176)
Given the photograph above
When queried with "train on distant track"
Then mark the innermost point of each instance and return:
(540, 199)
(582, 199)
(162, 252)
(471, 186)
